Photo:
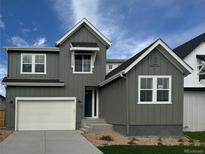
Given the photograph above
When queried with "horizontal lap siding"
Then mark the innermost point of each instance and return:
(141, 114)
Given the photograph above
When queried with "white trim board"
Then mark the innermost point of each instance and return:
(157, 43)
(85, 48)
(62, 39)
(41, 98)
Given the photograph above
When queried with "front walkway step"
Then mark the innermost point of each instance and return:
(95, 125)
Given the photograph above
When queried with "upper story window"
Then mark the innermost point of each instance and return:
(33, 63)
(82, 63)
(154, 90)
(201, 66)
(110, 67)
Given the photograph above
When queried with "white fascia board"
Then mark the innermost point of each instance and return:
(31, 49)
(111, 78)
(159, 42)
(79, 24)
(84, 49)
(33, 84)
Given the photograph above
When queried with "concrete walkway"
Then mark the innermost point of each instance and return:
(47, 142)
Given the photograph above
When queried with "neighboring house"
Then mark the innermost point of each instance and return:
(193, 53)
(58, 88)
(2, 103)
(2, 110)
(111, 64)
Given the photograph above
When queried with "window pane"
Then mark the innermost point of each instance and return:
(162, 95)
(78, 63)
(27, 58)
(163, 83)
(39, 59)
(27, 67)
(39, 68)
(146, 95)
(146, 83)
(87, 63)
(110, 67)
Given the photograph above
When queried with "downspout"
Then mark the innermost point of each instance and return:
(127, 104)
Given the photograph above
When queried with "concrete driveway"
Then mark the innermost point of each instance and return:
(47, 142)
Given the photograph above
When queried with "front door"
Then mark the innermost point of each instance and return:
(91, 103)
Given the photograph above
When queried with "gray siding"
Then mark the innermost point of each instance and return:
(52, 67)
(141, 114)
(113, 102)
(144, 119)
(74, 83)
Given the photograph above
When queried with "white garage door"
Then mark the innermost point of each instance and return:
(194, 111)
(45, 113)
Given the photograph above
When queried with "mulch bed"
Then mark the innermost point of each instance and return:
(118, 139)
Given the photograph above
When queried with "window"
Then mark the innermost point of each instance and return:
(154, 90)
(82, 63)
(110, 67)
(33, 64)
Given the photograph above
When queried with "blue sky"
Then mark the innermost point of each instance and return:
(130, 24)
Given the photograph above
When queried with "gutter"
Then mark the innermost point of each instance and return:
(120, 74)
(25, 84)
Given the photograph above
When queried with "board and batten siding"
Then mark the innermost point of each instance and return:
(152, 114)
(194, 111)
(74, 83)
(52, 67)
(112, 102)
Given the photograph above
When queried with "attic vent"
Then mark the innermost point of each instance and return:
(201, 67)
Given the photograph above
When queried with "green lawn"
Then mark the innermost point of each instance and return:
(196, 135)
(136, 149)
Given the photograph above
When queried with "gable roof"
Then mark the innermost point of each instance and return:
(185, 49)
(127, 63)
(130, 63)
(77, 26)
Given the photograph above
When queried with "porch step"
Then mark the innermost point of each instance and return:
(95, 125)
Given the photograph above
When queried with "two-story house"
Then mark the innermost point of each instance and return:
(56, 88)
(193, 53)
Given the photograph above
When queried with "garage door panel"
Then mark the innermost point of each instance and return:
(46, 115)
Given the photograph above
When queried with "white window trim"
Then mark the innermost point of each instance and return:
(91, 63)
(154, 87)
(33, 64)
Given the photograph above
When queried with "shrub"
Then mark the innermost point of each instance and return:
(180, 140)
(132, 141)
(159, 143)
(106, 138)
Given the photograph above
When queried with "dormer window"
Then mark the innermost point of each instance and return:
(83, 56)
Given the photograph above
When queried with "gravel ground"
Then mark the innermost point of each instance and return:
(4, 133)
(119, 139)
